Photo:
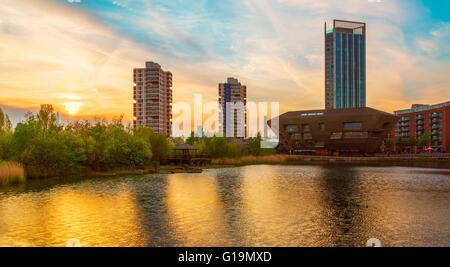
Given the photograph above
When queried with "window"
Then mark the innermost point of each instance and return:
(291, 128)
(355, 135)
(307, 136)
(352, 126)
(305, 127)
(322, 126)
(336, 135)
(320, 144)
(296, 136)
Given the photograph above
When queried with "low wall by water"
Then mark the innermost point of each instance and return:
(359, 159)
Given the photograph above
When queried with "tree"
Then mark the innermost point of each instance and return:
(23, 137)
(255, 145)
(412, 142)
(47, 117)
(160, 147)
(5, 123)
(423, 141)
(400, 143)
(46, 156)
(387, 143)
(5, 135)
(191, 139)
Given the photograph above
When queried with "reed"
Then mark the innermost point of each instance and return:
(11, 173)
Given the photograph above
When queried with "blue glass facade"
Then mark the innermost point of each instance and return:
(338, 71)
(345, 84)
(362, 71)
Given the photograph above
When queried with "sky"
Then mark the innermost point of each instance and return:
(79, 54)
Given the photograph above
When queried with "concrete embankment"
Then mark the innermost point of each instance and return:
(307, 159)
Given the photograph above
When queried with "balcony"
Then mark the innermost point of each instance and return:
(420, 117)
(435, 115)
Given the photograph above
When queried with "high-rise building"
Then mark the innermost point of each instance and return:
(345, 65)
(233, 114)
(152, 94)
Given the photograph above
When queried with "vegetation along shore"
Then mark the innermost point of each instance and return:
(40, 148)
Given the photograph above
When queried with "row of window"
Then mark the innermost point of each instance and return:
(333, 136)
(348, 126)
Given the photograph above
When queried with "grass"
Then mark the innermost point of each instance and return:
(11, 173)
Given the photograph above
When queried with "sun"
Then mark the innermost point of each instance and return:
(73, 107)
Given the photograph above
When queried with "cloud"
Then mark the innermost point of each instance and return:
(64, 53)
(58, 53)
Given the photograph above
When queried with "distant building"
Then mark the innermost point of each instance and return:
(420, 119)
(232, 114)
(200, 132)
(345, 65)
(335, 131)
(266, 130)
(152, 94)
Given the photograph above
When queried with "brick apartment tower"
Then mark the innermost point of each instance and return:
(152, 94)
(233, 121)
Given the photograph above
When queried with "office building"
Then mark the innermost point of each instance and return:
(152, 94)
(345, 65)
(335, 131)
(232, 113)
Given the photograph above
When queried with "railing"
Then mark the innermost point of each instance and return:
(418, 155)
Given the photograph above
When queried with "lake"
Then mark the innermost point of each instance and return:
(260, 205)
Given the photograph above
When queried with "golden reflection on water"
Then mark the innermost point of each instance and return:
(248, 206)
(96, 218)
(194, 210)
(278, 213)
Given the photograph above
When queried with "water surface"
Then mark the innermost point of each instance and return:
(316, 205)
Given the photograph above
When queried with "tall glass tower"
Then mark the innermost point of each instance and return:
(345, 65)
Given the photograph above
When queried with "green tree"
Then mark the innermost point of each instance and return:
(255, 145)
(47, 117)
(23, 137)
(424, 140)
(5, 123)
(160, 147)
(412, 141)
(5, 135)
(400, 143)
(191, 139)
(46, 156)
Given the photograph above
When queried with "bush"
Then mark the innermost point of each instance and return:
(46, 149)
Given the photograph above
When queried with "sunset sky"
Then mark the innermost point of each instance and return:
(79, 54)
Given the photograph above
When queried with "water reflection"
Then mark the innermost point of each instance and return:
(195, 210)
(345, 206)
(89, 214)
(310, 205)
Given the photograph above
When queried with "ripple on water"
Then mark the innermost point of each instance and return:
(249, 206)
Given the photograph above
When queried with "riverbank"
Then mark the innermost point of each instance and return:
(307, 159)
(425, 162)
